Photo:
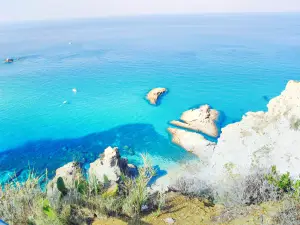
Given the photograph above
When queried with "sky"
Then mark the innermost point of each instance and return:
(19, 10)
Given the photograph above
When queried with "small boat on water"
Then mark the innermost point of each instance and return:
(9, 60)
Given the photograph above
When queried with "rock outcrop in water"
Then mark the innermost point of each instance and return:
(154, 95)
(110, 166)
(202, 119)
(192, 142)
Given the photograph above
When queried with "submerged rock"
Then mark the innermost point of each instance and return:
(154, 95)
(192, 142)
(110, 166)
(202, 119)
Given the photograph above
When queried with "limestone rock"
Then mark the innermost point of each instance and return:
(110, 165)
(169, 220)
(154, 95)
(202, 120)
(263, 139)
(192, 142)
(69, 173)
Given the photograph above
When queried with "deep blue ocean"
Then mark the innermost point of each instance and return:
(235, 63)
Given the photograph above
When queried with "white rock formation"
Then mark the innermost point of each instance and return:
(154, 95)
(202, 119)
(70, 173)
(111, 165)
(259, 140)
(192, 142)
(263, 138)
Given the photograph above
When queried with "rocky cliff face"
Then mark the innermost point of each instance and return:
(69, 173)
(108, 168)
(263, 138)
(260, 139)
(111, 166)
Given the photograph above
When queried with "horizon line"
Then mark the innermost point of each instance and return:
(146, 15)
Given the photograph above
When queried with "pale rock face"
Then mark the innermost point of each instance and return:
(69, 172)
(154, 95)
(192, 142)
(263, 139)
(202, 120)
(110, 165)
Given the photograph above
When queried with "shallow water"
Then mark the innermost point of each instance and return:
(235, 63)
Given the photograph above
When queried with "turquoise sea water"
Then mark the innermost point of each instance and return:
(235, 63)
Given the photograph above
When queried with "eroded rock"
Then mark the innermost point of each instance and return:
(69, 173)
(202, 119)
(192, 142)
(110, 166)
(154, 95)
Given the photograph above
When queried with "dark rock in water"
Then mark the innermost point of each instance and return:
(266, 98)
(128, 150)
(9, 60)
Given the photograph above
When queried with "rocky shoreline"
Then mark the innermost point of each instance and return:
(259, 140)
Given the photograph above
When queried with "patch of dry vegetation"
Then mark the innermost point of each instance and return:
(26, 204)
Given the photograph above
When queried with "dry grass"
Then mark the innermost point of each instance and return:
(25, 203)
(290, 213)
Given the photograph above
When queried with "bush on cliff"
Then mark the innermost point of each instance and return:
(26, 203)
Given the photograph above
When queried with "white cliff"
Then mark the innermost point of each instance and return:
(263, 139)
(259, 140)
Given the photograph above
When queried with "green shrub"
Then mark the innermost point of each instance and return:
(283, 182)
(137, 193)
(106, 181)
(25, 203)
(111, 192)
(82, 186)
(61, 186)
(295, 124)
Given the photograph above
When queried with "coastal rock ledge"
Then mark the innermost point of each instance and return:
(106, 169)
(259, 140)
(263, 139)
(202, 119)
(154, 95)
(192, 142)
